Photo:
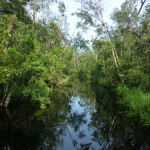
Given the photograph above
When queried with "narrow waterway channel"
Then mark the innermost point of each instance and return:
(83, 119)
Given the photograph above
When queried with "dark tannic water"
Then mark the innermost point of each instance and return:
(81, 119)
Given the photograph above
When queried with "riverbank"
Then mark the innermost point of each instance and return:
(137, 101)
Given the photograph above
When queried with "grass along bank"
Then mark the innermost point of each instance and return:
(137, 101)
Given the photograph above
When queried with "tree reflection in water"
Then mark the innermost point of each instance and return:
(112, 128)
(27, 128)
(85, 120)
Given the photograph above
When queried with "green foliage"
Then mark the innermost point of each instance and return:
(80, 44)
(15, 7)
(82, 75)
(38, 91)
(121, 57)
(32, 56)
(126, 17)
(62, 8)
(137, 101)
(136, 78)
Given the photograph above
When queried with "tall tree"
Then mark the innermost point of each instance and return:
(91, 13)
(32, 56)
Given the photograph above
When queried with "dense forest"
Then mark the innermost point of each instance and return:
(33, 56)
(37, 55)
(120, 55)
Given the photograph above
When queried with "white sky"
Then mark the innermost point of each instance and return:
(72, 6)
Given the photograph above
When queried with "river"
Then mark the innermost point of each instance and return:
(80, 119)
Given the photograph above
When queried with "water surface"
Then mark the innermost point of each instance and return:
(82, 119)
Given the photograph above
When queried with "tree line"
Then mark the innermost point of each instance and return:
(32, 56)
(37, 55)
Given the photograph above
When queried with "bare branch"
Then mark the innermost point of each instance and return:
(142, 3)
(70, 39)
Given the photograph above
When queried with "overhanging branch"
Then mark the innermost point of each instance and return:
(142, 4)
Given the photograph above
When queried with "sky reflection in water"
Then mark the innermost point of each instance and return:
(86, 121)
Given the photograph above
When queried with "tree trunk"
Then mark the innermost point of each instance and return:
(113, 49)
(10, 27)
(35, 11)
(114, 53)
(142, 4)
(7, 100)
(7, 94)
